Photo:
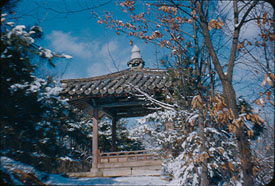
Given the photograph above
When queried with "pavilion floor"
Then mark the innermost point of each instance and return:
(127, 163)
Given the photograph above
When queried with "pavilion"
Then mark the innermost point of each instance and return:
(123, 94)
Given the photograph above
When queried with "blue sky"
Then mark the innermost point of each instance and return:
(95, 49)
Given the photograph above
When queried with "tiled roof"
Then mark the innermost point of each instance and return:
(122, 82)
(118, 95)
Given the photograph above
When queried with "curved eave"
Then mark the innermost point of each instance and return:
(118, 83)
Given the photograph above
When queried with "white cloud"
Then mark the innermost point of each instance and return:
(97, 69)
(90, 57)
(65, 42)
(70, 75)
(109, 57)
(109, 47)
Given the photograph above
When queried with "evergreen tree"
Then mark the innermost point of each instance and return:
(123, 142)
(37, 127)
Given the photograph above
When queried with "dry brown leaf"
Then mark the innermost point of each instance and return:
(206, 156)
(265, 80)
(234, 129)
(234, 179)
(254, 170)
(214, 166)
(250, 133)
(224, 166)
(231, 166)
(257, 102)
(265, 20)
(221, 150)
(268, 94)
(239, 46)
(194, 102)
(261, 93)
(231, 114)
(230, 128)
(253, 119)
(242, 109)
(269, 81)
(272, 76)
(221, 22)
(262, 101)
(201, 158)
(260, 119)
(259, 21)
(100, 21)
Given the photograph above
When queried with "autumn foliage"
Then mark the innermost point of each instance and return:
(187, 31)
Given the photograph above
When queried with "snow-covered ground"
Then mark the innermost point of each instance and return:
(8, 166)
(138, 180)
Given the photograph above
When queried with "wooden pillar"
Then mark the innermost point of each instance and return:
(114, 122)
(95, 140)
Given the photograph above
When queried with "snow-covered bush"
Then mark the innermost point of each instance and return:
(37, 127)
(192, 142)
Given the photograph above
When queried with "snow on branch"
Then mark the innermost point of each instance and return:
(19, 36)
(153, 100)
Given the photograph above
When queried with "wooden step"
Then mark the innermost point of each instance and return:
(117, 172)
(132, 171)
(90, 174)
(142, 163)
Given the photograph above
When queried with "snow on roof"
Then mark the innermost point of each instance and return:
(117, 83)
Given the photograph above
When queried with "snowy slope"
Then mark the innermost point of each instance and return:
(9, 166)
(139, 180)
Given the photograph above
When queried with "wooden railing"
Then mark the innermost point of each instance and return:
(126, 156)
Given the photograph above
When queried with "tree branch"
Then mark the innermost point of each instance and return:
(236, 35)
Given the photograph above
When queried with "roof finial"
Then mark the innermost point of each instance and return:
(135, 53)
(136, 60)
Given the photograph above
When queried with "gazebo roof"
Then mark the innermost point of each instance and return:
(122, 82)
(119, 94)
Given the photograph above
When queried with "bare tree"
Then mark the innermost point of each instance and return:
(177, 24)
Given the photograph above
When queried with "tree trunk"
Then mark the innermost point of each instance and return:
(230, 95)
(204, 177)
(242, 140)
